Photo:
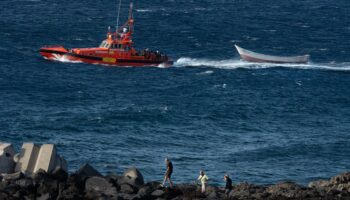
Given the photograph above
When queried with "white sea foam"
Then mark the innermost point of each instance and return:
(206, 72)
(144, 10)
(239, 64)
(63, 58)
(162, 66)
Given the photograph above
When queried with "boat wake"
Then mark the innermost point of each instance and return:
(239, 64)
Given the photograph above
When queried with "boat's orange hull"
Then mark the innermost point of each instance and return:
(59, 53)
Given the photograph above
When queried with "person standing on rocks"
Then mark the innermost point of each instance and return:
(228, 187)
(169, 171)
(203, 178)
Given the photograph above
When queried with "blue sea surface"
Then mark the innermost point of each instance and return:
(261, 123)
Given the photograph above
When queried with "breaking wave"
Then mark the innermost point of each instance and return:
(239, 64)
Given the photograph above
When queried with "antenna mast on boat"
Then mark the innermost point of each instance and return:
(131, 18)
(117, 27)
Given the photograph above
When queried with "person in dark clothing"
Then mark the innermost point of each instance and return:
(169, 171)
(228, 187)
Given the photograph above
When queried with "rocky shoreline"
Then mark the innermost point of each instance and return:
(38, 172)
(88, 183)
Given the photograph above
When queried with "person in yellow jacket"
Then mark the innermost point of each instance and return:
(203, 179)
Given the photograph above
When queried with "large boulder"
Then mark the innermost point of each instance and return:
(46, 196)
(100, 185)
(40, 176)
(128, 197)
(87, 171)
(127, 189)
(145, 192)
(4, 195)
(189, 191)
(13, 176)
(60, 174)
(186, 187)
(71, 190)
(172, 192)
(49, 186)
(25, 183)
(60, 164)
(158, 193)
(154, 185)
(132, 176)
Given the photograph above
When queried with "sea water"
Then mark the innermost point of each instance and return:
(260, 123)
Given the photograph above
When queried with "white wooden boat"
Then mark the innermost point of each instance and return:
(262, 58)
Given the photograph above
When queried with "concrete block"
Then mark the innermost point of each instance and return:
(33, 158)
(27, 158)
(46, 158)
(7, 163)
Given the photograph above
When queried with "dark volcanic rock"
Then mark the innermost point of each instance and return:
(127, 189)
(70, 191)
(154, 185)
(49, 186)
(246, 190)
(60, 174)
(133, 177)
(13, 176)
(158, 193)
(25, 182)
(186, 187)
(129, 197)
(288, 190)
(189, 191)
(45, 196)
(40, 176)
(60, 186)
(113, 178)
(340, 179)
(319, 184)
(171, 193)
(4, 194)
(100, 185)
(87, 171)
(145, 192)
(337, 186)
(27, 187)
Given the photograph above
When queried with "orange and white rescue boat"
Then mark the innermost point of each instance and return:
(117, 50)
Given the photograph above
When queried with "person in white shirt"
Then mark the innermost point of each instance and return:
(203, 179)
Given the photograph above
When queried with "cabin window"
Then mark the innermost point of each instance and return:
(115, 46)
(107, 45)
(103, 43)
